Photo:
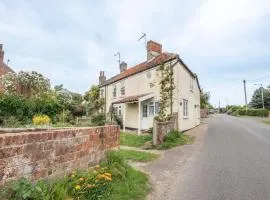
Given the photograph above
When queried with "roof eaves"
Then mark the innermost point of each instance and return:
(107, 82)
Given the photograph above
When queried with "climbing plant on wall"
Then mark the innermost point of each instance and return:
(166, 91)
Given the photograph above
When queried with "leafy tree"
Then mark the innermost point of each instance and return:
(94, 102)
(205, 97)
(34, 82)
(256, 100)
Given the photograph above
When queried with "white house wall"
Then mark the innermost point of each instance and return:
(193, 97)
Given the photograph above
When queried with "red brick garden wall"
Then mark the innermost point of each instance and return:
(47, 154)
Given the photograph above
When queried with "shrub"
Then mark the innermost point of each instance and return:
(12, 122)
(64, 116)
(98, 119)
(175, 138)
(23, 189)
(41, 120)
(253, 112)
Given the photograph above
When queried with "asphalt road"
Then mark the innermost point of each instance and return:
(232, 162)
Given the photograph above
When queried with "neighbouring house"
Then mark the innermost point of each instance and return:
(4, 69)
(135, 91)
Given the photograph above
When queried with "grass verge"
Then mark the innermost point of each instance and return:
(266, 122)
(114, 179)
(176, 138)
(137, 156)
(132, 140)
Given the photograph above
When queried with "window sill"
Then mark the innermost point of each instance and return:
(185, 117)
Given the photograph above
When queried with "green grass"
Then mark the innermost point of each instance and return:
(114, 179)
(132, 140)
(266, 121)
(135, 186)
(138, 156)
(175, 138)
(128, 183)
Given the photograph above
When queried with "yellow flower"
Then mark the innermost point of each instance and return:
(108, 174)
(97, 166)
(81, 179)
(77, 187)
(95, 172)
(108, 178)
(73, 175)
(74, 172)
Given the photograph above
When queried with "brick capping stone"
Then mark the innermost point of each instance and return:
(50, 153)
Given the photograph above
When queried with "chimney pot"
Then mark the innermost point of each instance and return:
(102, 77)
(123, 67)
(153, 49)
(1, 54)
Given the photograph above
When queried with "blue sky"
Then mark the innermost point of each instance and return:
(223, 42)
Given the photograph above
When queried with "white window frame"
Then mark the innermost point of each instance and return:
(123, 89)
(185, 108)
(154, 109)
(151, 106)
(114, 91)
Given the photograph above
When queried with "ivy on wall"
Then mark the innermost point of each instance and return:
(166, 91)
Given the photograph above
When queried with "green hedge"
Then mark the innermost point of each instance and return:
(254, 112)
(23, 109)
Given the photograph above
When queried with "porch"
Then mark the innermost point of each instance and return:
(137, 111)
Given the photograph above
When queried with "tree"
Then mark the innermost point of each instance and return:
(34, 82)
(94, 102)
(205, 97)
(256, 100)
(166, 90)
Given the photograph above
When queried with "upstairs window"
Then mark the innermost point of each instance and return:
(123, 90)
(114, 91)
(185, 108)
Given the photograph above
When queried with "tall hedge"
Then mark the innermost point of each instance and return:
(254, 112)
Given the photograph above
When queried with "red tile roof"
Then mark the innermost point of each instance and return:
(130, 98)
(4, 69)
(163, 57)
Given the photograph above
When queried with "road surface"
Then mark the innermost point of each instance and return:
(231, 161)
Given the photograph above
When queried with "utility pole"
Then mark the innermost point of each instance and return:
(219, 106)
(245, 91)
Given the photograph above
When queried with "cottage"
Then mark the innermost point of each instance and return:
(4, 68)
(135, 91)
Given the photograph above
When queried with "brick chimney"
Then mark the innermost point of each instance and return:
(102, 77)
(153, 49)
(1, 54)
(123, 67)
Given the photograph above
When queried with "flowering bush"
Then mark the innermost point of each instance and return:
(41, 120)
(94, 184)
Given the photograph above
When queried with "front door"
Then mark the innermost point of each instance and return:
(144, 114)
